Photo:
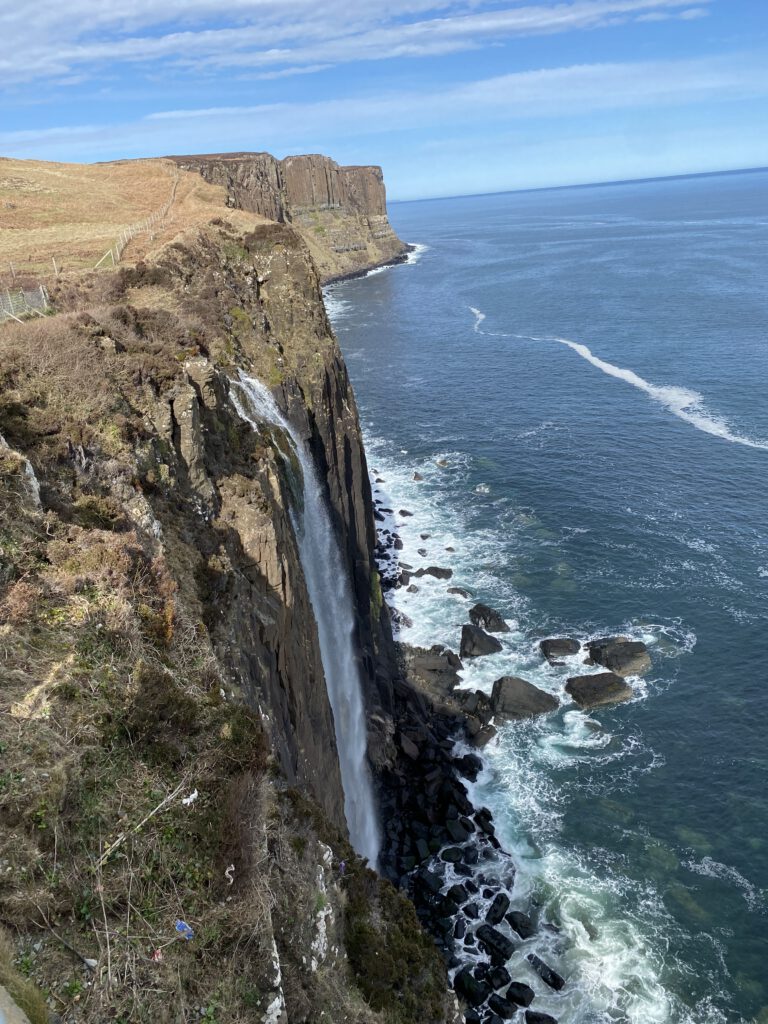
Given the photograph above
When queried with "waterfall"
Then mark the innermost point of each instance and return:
(331, 598)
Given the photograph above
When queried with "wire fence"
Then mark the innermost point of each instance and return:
(23, 302)
(149, 224)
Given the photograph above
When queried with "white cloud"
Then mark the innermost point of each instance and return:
(575, 93)
(282, 36)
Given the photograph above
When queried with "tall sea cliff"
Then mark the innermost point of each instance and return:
(173, 840)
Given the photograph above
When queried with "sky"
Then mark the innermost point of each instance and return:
(449, 96)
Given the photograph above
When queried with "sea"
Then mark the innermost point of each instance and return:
(568, 390)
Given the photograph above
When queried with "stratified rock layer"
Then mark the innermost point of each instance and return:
(341, 212)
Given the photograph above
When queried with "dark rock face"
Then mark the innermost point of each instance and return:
(623, 657)
(559, 647)
(603, 688)
(475, 642)
(534, 1017)
(460, 591)
(516, 698)
(545, 972)
(488, 619)
(311, 192)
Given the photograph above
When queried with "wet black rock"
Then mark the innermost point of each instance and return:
(622, 656)
(603, 688)
(521, 923)
(498, 946)
(475, 642)
(488, 618)
(471, 911)
(534, 1017)
(405, 513)
(458, 832)
(468, 988)
(545, 972)
(516, 698)
(520, 993)
(559, 647)
(435, 570)
(469, 766)
(412, 589)
(452, 855)
(497, 909)
(460, 591)
(417, 477)
(424, 536)
(498, 977)
(502, 1007)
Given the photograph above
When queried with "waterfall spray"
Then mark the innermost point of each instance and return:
(331, 598)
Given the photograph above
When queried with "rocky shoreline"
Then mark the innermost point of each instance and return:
(438, 846)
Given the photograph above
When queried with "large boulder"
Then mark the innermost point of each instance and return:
(435, 570)
(603, 688)
(521, 923)
(438, 667)
(520, 993)
(502, 1007)
(559, 647)
(498, 908)
(488, 618)
(468, 988)
(545, 972)
(622, 656)
(512, 697)
(496, 943)
(536, 1017)
(475, 642)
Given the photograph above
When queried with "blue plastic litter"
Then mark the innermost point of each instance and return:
(184, 930)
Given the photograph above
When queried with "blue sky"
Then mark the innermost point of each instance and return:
(449, 96)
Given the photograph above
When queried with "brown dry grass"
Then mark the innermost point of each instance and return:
(73, 213)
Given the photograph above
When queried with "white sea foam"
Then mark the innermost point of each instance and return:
(416, 253)
(686, 404)
(714, 869)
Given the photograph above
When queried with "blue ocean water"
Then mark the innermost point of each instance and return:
(580, 377)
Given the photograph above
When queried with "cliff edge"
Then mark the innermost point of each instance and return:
(340, 212)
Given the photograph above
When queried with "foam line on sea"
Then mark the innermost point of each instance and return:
(686, 404)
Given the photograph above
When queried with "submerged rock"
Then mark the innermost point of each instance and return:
(488, 618)
(603, 688)
(517, 698)
(475, 642)
(534, 1017)
(460, 591)
(521, 923)
(556, 648)
(622, 656)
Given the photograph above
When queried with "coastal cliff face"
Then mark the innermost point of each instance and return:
(171, 749)
(341, 212)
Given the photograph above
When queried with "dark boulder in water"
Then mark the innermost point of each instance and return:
(503, 1007)
(534, 1017)
(603, 688)
(405, 513)
(469, 766)
(475, 642)
(512, 697)
(497, 944)
(497, 909)
(498, 977)
(470, 989)
(521, 923)
(460, 591)
(545, 972)
(400, 619)
(622, 656)
(556, 648)
(520, 993)
(488, 618)
(435, 570)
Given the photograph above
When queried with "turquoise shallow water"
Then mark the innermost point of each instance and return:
(580, 377)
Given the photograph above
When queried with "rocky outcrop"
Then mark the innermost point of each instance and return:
(621, 655)
(557, 648)
(487, 618)
(475, 642)
(603, 688)
(516, 698)
(341, 212)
